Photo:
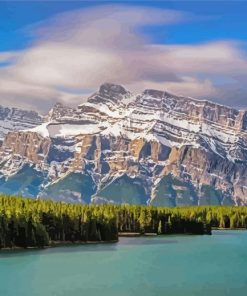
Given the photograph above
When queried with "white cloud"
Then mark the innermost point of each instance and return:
(81, 49)
(210, 58)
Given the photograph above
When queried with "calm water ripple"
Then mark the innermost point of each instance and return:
(148, 266)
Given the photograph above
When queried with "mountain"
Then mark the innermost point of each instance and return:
(12, 119)
(152, 148)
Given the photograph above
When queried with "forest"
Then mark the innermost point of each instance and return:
(38, 223)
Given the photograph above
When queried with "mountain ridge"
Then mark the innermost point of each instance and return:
(151, 148)
(12, 119)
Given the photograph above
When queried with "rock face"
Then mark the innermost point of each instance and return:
(14, 119)
(153, 147)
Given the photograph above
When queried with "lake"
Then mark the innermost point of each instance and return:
(165, 265)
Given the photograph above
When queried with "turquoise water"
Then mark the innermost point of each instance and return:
(171, 265)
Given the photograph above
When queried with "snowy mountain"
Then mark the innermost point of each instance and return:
(12, 119)
(117, 147)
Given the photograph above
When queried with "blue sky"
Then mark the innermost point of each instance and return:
(227, 20)
(29, 31)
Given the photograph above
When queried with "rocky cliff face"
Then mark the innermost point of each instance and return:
(14, 119)
(153, 147)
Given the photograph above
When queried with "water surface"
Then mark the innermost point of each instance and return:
(170, 265)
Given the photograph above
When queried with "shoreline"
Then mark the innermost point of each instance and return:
(55, 244)
(219, 228)
(136, 234)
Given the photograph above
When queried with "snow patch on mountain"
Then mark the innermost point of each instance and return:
(14, 119)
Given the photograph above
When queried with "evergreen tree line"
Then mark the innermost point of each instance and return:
(36, 223)
(195, 220)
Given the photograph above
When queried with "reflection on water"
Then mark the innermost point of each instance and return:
(57, 250)
(228, 232)
(134, 241)
(112, 247)
(105, 247)
(174, 265)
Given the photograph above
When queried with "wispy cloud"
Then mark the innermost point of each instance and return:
(81, 49)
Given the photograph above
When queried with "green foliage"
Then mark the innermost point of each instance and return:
(124, 190)
(171, 192)
(165, 194)
(210, 196)
(26, 182)
(81, 185)
(41, 236)
(35, 223)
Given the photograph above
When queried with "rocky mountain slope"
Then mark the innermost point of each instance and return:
(12, 119)
(117, 147)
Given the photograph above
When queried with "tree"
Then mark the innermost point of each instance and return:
(160, 227)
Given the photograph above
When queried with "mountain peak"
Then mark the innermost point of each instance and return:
(170, 147)
(109, 93)
(58, 105)
(111, 89)
(154, 93)
(58, 111)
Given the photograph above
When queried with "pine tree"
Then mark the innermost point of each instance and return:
(160, 227)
